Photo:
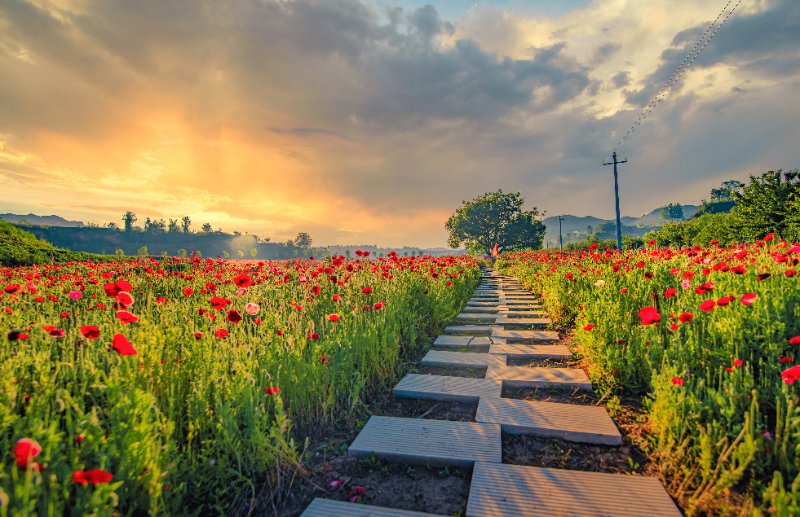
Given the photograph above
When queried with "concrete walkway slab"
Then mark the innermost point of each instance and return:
(454, 341)
(474, 316)
(320, 507)
(519, 351)
(428, 442)
(461, 359)
(525, 336)
(442, 387)
(473, 330)
(570, 422)
(508, 321)
(484, 309)
(512, 490)
(527, 377)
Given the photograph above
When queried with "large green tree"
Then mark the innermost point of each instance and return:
(495, 218)
(770, 204)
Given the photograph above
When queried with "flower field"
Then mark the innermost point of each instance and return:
(711, 338)
(187, 385)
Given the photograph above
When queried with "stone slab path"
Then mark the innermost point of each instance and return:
(531, 351)
(503, 306)
(570, 422)
(506, 490)
(442, 387)
(428, 442)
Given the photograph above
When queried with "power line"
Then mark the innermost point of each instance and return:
(679, 72)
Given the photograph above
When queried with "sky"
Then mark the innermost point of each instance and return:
(370, 121)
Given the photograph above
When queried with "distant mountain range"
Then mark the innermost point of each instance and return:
(578, 228)
(40, 220)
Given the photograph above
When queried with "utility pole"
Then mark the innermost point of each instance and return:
(560, 239)
(616, 196)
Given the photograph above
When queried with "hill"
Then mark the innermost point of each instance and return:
(577, 228)
(19, 248)
(40, 220)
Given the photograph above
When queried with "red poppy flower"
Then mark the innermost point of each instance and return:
(786, 359)
(11, 288)
(198, 335)
(333, 317)
(25, 450)
(795, 340)
(378, 306)
(738, 362)
(218, 303)
(313, 336)
(90, 331)
(93, 477)
(763, 276)
(243, 280)
(126, 317)
(768, 237)
(324, 360)
(588, 327)
(121, 344)
(649, 315)
(708, 305)
(739, 270)
(234, 316)
(279, 332)
(366, 290)
(336, 298)
(673, 326)
(678, 381)
(725, 300)
(188, 291)
(791, 375)
(749, 298)
(272, 391)
(669, 293)
(124, 298)
(56, 333)
(221, 333)
(686, 317)
(790, 273)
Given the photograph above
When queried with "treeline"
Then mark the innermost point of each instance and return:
(171, 238)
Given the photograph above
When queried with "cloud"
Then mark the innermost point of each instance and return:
(355, 122)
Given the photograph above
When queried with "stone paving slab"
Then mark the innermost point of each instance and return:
(528, 377)
(522, 322)
(519, 312)
(525, 336)
(462, 359)
(477, 341)
(481, 309)
(320, 507)
(474, 316)
(475, 330)
(479, 303)
(513, 490)
(522, 351)
(570, 422)
(515, 303)
(442, 387)
(428, 442)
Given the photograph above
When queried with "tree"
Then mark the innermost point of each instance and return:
(253, 252)
(769, 204)
(173, 226)
(672, 212)
(112, 226)
(128, 218)
(303, 240)
(186, 222)
(495, 218)
(726, 191)
(143, 251)
(206, 228)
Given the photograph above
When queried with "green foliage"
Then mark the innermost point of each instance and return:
(143, 251)
(128, 218)
(18, 247)
(726, 191)
(495, 218)
(714, 207)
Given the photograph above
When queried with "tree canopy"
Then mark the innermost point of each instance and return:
(495, 218)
